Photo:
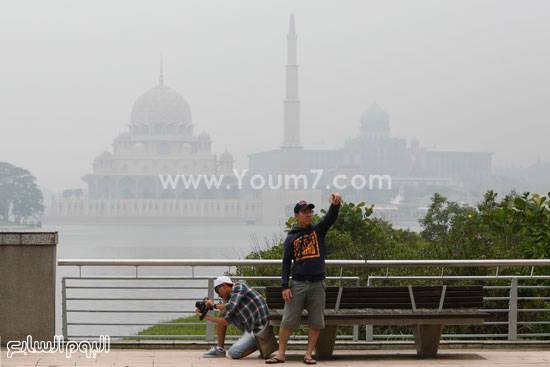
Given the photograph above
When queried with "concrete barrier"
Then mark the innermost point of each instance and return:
(27, 285)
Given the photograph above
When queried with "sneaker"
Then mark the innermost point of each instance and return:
(213, 353)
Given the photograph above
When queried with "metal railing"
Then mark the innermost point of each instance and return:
(137, 282)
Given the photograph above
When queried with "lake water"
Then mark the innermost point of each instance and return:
(143, 241)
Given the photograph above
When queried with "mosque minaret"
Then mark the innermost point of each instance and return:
(291, 162)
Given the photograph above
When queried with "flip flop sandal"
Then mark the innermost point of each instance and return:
(274, 360)
(309, 361)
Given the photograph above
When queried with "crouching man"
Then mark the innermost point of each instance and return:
(245, 308)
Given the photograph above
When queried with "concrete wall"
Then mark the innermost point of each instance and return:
(27, 285)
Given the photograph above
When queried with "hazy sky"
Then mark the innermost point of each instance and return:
(457, 75)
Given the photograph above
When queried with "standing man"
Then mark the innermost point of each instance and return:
(304, 254)
(245, 308)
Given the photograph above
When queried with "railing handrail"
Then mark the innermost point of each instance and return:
(358, 263)
(514, 323)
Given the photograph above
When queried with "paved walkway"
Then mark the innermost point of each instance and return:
(380, 358)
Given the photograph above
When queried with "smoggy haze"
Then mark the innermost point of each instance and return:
(460, 75)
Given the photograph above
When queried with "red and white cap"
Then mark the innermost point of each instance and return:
(222, 280)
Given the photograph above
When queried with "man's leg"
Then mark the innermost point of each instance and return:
(222, 329)
(243, 347)
(249, 351)
(315, 305)
(312, 336)
(284, 335)
(246, 343)
(292, 314)
(218, 351)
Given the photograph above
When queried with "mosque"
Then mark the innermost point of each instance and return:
(125, 184)
(160, 140)
(416, 172)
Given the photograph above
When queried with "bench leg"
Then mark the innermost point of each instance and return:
(426, 338)
(325, 343)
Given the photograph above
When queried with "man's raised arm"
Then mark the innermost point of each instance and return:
(332, 214)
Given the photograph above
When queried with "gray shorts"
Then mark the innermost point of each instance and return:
(309, 295)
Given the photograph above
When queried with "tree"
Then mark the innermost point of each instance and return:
(514, 227)
(20, 197)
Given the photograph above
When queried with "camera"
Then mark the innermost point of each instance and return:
(203, 307)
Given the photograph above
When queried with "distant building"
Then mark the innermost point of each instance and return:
(160, 140)
(125, 184)
(375, 151)
(372, 152)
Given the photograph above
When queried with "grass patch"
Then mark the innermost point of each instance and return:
(182, 329)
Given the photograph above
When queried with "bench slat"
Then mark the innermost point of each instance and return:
(433, 293)
(391, 314)
(390, 305)
(417, 287)
(401, 301)
(434, 300)
(392, 297)
(390, 289)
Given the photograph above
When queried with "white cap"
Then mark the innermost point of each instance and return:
(222, 280)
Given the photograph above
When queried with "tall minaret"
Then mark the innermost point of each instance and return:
(291, 150)
(161, 77)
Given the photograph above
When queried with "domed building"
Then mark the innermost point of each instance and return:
(160, 140)
(375, 123)
(143, 176)
(161, 105)
(374, 150)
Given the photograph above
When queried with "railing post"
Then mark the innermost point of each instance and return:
(210, 325)
(369, 328)
(356, 327)
(64, 309)
(513, 311)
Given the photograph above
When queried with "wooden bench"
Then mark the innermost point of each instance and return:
(425, 308)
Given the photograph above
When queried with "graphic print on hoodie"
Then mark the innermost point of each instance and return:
(304, 250)
(306, 246)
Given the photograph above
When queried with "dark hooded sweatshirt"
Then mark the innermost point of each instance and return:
(306, 247)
